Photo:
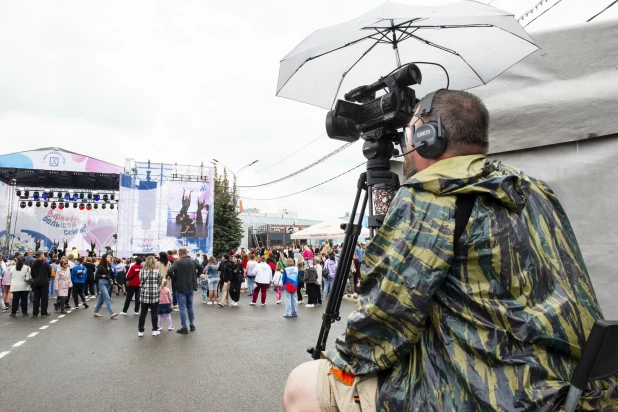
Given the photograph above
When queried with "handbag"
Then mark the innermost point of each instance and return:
(28, 279)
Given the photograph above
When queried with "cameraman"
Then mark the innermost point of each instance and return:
(496, 322)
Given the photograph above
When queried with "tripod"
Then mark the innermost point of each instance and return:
(378, 149)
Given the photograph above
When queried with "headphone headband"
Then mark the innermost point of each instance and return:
(427, 103)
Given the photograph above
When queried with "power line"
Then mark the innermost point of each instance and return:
(602, 11)
(309, 188)
(287, 157)
(341, 148)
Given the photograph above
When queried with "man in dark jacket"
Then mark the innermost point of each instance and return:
(41, 273)
(184, 273)
(226, 268)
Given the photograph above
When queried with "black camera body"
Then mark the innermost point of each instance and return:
(391, 111)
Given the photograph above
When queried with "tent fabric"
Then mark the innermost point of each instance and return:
(564, 92)
(330, 229)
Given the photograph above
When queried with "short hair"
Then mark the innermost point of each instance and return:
(289, 262)
(182, 251)
(465, 119)
(170, 252)
(70, 256)
(226, 256)
(138, 260)
(80, 259)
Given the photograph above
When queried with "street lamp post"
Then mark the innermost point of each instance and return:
(234, 198)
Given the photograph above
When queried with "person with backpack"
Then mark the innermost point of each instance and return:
(328, 274)
(290, 286)
(78, 276)
(278, 285)
(20, 283)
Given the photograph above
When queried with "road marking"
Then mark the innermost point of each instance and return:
(21, 342)
(54, 321)
(44, 327)
(61, 316)
(3, 354)
(33, 334)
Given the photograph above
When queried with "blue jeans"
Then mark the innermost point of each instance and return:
(104, 288)
(328, 286)
(250, 283)
(52, 292)
(204, 294)
(185, 304)
(291, 307)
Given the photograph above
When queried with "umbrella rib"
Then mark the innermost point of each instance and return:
(320, 55)
(351, 67)
(437, 46)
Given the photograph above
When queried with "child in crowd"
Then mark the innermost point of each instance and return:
(290, 287)
(204, 287)
(165, 307)
(278, 284)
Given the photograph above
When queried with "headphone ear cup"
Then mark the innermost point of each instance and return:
(434, 142)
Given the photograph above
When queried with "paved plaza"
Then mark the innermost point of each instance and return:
(237, 360)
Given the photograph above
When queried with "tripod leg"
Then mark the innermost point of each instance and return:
(352, 231)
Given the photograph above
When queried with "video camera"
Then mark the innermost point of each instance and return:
(362, 114)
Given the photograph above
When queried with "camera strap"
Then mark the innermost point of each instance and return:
(463, 211)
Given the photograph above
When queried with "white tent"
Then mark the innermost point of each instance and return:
(330, 229)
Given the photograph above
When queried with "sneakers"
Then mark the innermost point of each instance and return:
(160, 329)
(263, 304)
(183, 331)
(155, 333)
(278, 302)
(309, 306)
(192, 328)
(300, 302)
(75, 307)
(204, 301)
(136, 313)
(170, 328)
(252, 304)
(140, 334)
(209, 302)
(123, 313)
(175, 307)
(234, 303)
(86, 306)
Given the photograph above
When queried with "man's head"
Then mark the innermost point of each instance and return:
(182, 251)
(80, 260)
(465, 120)
(226, 257)
(40, 255)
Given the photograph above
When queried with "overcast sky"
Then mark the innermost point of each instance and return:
(186, 82)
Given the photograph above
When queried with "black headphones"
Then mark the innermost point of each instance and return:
(430, 139)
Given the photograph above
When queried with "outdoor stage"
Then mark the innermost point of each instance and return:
(51, 198)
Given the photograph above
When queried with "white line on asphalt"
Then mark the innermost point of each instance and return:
(21, 342)
(33, 334)
(3, 354)
(61, 316)
(54, 321)
(44, 327)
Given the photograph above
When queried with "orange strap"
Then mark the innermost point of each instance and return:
(343, 377)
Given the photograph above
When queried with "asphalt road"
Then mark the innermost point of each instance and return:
(237, 360)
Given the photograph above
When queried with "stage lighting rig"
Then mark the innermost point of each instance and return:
(53, 205)
(37, 204)
(45, 204)
(30, 203)
(22, 205)
(36, 195)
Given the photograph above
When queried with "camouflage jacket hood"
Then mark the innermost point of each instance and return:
(497, 322)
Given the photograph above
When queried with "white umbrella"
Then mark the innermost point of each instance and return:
(474, 43)
(331, 229)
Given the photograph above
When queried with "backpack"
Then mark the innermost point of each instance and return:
(80, 274)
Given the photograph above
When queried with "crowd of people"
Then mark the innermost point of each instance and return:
(165, 283)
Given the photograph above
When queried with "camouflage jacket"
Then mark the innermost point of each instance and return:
(497, 326)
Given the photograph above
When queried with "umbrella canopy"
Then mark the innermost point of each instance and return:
(474, 42)
(331, 229)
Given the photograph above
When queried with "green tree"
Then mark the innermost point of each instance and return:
(227, 232)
